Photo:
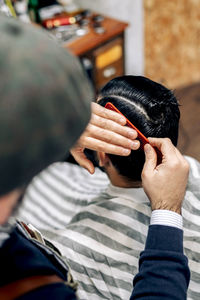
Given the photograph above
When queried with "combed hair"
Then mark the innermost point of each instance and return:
(150, 106)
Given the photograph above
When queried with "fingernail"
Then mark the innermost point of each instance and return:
(122, 120)
(134, 145)
(90, 170)
(132, 134)
(147, 148)
(126, 151)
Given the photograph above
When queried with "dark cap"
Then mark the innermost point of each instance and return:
(44, 102)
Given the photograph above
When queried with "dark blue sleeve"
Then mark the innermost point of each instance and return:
(163, 268)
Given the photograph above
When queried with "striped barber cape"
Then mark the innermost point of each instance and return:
(101, 229)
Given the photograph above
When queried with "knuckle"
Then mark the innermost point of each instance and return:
(175, 165)
(88, 128)
(96, 108)
(109, 139)
(101, 148)
(105, 112)
(186, 165)
(179, 164)
(95, 119)
(103, 123)
(144, 174)
(98, 132)
(167, 140)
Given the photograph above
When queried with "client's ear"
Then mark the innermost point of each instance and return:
(103, 159)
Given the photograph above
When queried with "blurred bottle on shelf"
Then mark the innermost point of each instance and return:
(40, 10)
(33, 10)
(21, 9)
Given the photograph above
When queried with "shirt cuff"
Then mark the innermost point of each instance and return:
(167, 218)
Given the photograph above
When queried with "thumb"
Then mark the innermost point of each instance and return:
(150, 159)
(87, 164)
(83, 161)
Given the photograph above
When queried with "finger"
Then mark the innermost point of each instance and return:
(83, 161)
(164, 145)
(150, 160)
(97, 145)
(112, 137)
(113, 126)
(108, 114)
(88, 165)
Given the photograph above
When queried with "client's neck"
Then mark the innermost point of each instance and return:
(120, 181)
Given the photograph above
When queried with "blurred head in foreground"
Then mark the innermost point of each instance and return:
(44, 106)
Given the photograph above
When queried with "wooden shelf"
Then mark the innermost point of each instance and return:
(105, 52)
(92, 40)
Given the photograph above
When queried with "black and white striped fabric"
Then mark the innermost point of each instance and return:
(101, 229)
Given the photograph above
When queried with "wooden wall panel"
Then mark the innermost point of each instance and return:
(172, 41)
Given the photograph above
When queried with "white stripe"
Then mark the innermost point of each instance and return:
(87, 182)
(98, 247)
(192, 245)
(49, 180)
(43, 213)
(192, 199)
(194, 166)
(56, 200)
(191, 217)
(194, 286)
(91, 263)
(109, 232)
(194, 266)
(143, 208)
(115, 216)
(82, 295)
(190, 233)
(28, 217)
(67, 169)
(101, 285)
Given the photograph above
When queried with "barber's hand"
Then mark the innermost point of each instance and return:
(105, 132)
(165, 184)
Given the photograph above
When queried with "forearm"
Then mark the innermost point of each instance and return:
(163, 268)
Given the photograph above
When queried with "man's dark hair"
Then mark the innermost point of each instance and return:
(150, 106)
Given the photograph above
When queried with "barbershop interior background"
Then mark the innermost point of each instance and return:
(156, 38)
